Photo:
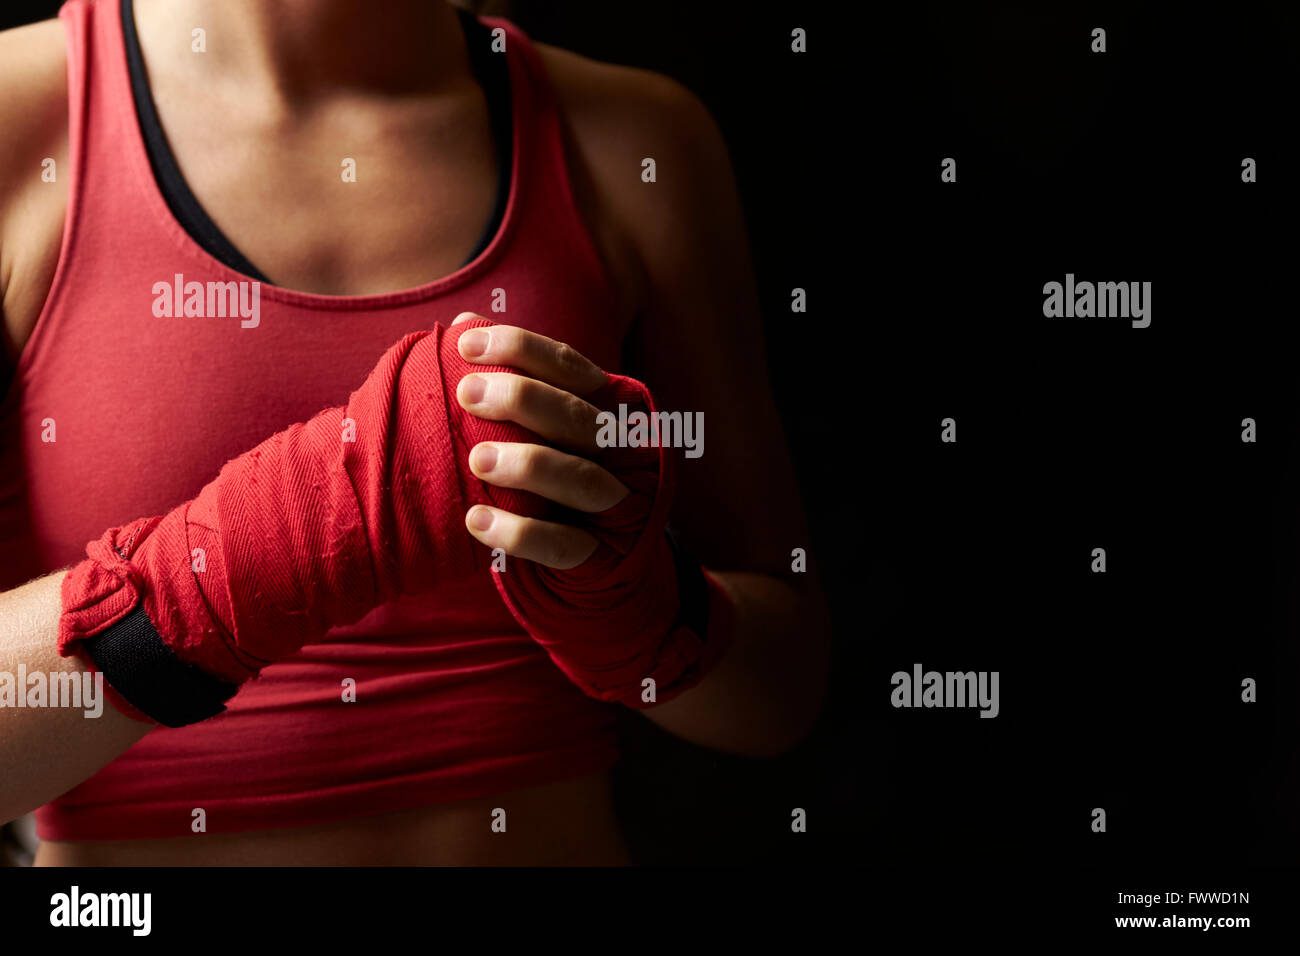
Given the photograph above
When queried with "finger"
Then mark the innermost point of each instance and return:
(558, 546)
(568, 480)
(558, 416)
(536, 355)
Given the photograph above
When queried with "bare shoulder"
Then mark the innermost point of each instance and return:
(617, 118)
(625, 115)
(33, 102)
(33, 129)
(627, 96)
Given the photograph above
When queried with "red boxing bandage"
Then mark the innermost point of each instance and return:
(311, 529)
(615, 623)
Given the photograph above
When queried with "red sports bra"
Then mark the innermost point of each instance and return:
(453, 700)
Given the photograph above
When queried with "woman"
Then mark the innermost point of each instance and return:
(331, 165)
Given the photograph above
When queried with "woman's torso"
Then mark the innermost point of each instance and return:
(547, 821)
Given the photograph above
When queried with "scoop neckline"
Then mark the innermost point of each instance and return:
(318, 300)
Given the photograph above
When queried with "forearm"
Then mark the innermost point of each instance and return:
(764, 695)
(47, 750)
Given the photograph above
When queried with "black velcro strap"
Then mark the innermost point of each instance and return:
(692, 589)
(140, 667)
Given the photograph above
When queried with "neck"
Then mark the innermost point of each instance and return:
(307, 48)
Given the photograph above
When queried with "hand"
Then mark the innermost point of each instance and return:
(546, 400)
(602, 594)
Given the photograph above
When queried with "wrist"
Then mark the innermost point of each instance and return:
(116, 609)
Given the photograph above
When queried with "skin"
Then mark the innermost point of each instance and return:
(296, 80)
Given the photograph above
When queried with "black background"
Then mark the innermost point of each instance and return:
(1120, 690)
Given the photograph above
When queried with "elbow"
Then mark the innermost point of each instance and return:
(779, 745)
(792, 727)
(795, 732)
(777, 741)
(805, 708)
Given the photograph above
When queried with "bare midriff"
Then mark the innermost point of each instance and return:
(567, 823)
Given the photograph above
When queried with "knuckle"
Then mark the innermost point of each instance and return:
(590, 483)
(556, 555)
(506, 341)
(582, 415)
(567, 550)
(541, 546)
(567, 357)
(529, 461)
(515, 390)
(514, 538)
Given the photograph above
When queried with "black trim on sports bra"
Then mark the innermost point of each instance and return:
(490, 69)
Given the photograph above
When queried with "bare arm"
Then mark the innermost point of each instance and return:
(700, 343)
(34, 174)
(45, 751)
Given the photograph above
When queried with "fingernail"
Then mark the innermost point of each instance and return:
(475, 343)
(480, 519)
(474, 388)
(485, 457)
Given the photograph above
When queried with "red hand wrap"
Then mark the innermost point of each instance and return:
(612, 622)
(308, 530)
